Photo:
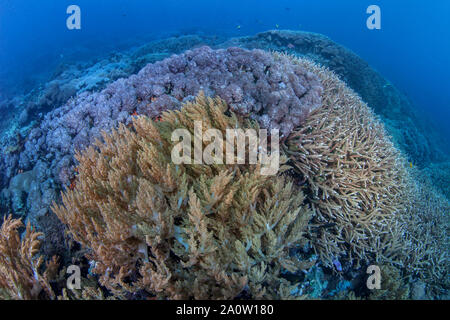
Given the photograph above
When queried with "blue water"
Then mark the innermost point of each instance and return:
(412, 49)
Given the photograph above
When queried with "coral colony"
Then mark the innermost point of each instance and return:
(159, 213)
(229, 151)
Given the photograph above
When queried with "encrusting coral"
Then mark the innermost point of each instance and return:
(183, 231)
(20, 276)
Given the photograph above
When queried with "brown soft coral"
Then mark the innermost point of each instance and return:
(183, 231)
(20, 276)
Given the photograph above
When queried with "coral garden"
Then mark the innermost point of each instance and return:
(345, 197)
(184, 231)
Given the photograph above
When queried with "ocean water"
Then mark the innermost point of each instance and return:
(410, 51)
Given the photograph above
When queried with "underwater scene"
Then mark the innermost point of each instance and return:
(224, 150)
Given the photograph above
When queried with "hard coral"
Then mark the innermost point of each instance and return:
(425, 232)
(183, 231)
(369, 207)
(356, 178)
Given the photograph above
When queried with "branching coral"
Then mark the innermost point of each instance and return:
(183, 231)
(370, 208)
(425, 232)
(356, 178)
(20, 276)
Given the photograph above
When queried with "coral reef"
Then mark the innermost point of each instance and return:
(142, 216)
(25, 110)
(369, 206)
(276, 92)
(46, 140)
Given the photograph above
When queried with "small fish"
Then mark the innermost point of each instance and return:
(238, 27)
(73, 183)
(290, 46)
(337, 265)
(410, 164)
(277, 26)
